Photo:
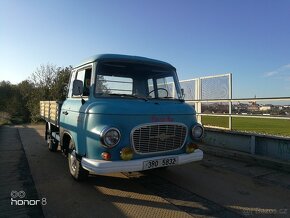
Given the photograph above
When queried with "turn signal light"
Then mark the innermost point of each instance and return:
(106, 155)
(126, 154)
(191, 147)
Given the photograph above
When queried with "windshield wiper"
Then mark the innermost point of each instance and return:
(127, 95)
(168, 97)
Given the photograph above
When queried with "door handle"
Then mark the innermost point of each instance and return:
(65, 112)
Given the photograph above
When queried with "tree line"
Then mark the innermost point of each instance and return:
(21, 102)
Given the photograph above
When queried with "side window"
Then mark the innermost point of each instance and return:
(87, 82)
(85, 76)
(73, 75)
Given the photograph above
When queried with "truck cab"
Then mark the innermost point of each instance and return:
(123, 114)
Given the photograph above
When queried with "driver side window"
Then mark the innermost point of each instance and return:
(84, 75)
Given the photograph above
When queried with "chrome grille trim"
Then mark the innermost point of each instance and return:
(158, 137)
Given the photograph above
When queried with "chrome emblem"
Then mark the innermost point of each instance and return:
(162, 137)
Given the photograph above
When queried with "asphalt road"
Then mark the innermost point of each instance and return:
(214, 187)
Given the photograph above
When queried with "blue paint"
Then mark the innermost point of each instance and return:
(86, 121)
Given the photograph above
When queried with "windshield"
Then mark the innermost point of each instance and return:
(137, 81)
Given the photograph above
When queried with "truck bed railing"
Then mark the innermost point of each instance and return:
(50, 111)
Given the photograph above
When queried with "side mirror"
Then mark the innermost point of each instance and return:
(78, 87)
(182, 93)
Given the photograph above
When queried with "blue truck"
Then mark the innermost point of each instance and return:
(122, 114)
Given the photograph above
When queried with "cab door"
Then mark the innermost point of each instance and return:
(74, 107)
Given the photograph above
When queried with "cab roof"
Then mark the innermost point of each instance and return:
(119, 57)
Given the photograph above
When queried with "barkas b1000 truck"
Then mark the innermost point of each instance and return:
(122, 114)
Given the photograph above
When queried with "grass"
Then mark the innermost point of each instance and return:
(16, 120)
(3, 122)
(4, 118)
(257, 125)
(7, 120)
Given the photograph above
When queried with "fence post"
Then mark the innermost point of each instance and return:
(230, 102)
(253, 144)
(198, 97)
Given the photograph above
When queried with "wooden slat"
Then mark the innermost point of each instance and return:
(49, 111)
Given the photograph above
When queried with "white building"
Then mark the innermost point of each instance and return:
(266, 107)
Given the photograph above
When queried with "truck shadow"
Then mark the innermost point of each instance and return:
(148, 189)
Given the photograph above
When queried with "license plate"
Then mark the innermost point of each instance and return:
(164, 162)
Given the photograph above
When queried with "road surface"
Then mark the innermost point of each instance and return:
(214, 187)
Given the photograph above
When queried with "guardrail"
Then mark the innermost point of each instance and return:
(266, 145)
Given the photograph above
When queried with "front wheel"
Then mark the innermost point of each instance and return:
(75, 167)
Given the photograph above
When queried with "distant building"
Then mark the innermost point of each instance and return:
(266, 107)
(253, 106)
(240, 107)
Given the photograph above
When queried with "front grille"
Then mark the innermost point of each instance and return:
(158, 137)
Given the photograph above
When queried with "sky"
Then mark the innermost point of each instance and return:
(248, 38)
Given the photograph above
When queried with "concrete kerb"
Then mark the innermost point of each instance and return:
(249, 158)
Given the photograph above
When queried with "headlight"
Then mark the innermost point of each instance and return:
(110, 137)
(197, 131)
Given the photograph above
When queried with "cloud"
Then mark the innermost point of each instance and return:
(271, 73)
(282, 72)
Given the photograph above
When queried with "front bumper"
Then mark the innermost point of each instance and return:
(103, 167)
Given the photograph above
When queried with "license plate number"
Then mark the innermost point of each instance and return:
(164, 162)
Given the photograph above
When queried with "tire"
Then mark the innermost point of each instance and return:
(75, 167)
(52, 144)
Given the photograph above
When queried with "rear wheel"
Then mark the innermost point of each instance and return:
(75, 167)
(52, 144)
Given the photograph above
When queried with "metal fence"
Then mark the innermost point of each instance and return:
(203, 89)
(261, 125)
(212, 97)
